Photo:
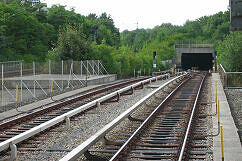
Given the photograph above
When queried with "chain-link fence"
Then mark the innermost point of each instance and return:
(230, 79)
(25, 82)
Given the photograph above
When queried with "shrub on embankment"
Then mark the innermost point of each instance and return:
(230, 52)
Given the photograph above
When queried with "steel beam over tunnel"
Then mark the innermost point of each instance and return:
(200, 56)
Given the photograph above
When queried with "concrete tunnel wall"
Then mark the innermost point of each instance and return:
(202, 58)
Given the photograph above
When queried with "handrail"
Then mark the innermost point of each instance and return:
(221, 66)
(228, 80)
(190, 123)
(233, 72)
(11, 62)
(75, 153)
(27, 134)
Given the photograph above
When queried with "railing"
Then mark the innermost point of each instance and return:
(44, 79)
(194, 45)
(230, 79)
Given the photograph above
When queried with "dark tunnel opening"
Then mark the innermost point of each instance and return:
(203, 61)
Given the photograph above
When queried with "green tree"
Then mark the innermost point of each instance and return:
(72, 44)
(230, 51)
(23, 33)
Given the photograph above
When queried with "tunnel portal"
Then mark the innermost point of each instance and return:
(200, 56)
(202, 61)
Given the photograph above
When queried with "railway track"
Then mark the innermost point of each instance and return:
(21, 124)
(172, 129)
(13, 132)
(168, 129)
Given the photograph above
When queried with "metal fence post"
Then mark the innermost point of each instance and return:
(87, 68)
(81, 68)
(34, 77)
(86, 72)
(2, 84)
(98, 67)
(93, 66)
(62, 74)
(21, 81)
(225, 80)
(72, 72)
(50, 75)
(72, 66)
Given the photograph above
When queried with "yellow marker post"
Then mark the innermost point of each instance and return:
(218, 113)
(222, 142)
(2, 96)
(52, 85)
(216, 92)
(16, 93)
(134, 72)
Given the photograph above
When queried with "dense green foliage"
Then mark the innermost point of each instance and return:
(32, 34)
(72, 41)
(207, 29)
(231, 51)
(23, 36)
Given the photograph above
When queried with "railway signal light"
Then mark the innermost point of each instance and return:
(154, 55)
(154, 60)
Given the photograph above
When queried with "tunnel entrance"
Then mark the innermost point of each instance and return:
(203, 61)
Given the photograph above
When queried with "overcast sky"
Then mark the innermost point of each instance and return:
(148, 13)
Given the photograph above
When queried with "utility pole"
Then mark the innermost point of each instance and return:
(136, 38)
(94, 31)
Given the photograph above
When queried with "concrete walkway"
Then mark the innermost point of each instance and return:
(232, 145)
(35, 105)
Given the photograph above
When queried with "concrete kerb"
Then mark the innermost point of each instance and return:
(27, 99)
(232, 145)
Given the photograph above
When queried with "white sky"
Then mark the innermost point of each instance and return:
(148, 13)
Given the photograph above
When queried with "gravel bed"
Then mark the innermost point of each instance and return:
(61, 141)
(234, 97)
(206, 109)
(127, 126)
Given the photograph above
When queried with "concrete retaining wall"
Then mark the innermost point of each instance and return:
(11, 84)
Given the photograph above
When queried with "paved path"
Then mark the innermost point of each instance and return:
(232, 145)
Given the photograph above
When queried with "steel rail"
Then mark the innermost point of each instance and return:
(190, 122)
(130, 140)
(125, 145)
(27, 134)
(64, 102)
(75, 153)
